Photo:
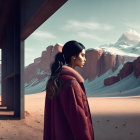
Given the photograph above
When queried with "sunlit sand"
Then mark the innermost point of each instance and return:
(114, 118)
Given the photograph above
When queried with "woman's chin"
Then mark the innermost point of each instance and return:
(81, 66)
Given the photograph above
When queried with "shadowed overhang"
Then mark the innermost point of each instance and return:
(32, 14)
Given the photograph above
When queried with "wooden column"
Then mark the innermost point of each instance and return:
(13, 68)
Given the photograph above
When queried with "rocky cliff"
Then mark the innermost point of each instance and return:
(41, 66)
(98, 62)
(127, 69)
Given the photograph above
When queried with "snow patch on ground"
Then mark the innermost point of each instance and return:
(36, 88)
(97, 88)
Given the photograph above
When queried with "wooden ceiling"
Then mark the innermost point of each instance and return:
(33, 14)
(6, 11)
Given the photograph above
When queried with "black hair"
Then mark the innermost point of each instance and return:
(71, 48)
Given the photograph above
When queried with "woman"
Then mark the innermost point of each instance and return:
(67, 114)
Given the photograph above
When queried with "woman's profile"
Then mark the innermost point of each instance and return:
(67, 115)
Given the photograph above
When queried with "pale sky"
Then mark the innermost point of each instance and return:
(91, 22)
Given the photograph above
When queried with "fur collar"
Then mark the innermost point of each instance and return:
(66, 70)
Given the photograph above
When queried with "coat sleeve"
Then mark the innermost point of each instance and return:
(74, 112)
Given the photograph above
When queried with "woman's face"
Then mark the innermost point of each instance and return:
(80, 59)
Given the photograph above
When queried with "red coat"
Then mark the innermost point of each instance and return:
(67, 117)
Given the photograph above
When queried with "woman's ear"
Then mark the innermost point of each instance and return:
(74, 57)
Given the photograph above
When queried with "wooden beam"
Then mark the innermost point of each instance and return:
(6, 11)
(47, 8)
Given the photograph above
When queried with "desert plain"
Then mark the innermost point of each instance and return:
(114, 118)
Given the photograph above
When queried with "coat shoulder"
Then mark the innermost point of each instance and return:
(67, 78)
(69, 81)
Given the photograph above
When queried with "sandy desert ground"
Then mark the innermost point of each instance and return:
(114, 118)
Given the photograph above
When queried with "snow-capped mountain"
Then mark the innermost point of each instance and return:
(128, 44)
(128, 38)
(128, 76)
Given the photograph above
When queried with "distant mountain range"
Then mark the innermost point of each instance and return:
(103, 62)
(126, 79)
(128, 44)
